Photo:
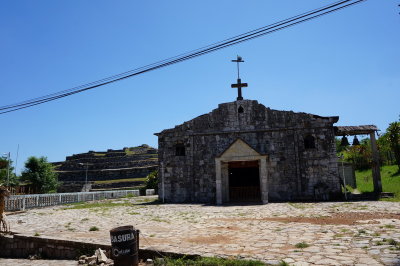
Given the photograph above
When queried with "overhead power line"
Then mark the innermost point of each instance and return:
(280, 25)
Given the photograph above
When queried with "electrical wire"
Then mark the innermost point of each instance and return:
(162, 61)
(77, 89)
(294, 20)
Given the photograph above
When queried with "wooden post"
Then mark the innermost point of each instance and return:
(376, 172)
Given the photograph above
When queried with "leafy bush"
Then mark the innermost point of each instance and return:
(151, 181)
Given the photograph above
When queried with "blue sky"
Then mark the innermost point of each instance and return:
(344, 64)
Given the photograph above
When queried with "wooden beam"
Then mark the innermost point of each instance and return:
(355, 130)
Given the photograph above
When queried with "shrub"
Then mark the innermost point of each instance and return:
(151, 181)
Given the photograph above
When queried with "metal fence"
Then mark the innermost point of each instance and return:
(22, 202)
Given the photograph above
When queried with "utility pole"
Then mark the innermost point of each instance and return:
(86, 173)
(8, 168)
(16, 161)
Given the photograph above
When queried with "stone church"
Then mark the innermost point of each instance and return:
(243, 151)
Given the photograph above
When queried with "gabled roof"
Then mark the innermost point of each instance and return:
(253, 116)
(239, 146)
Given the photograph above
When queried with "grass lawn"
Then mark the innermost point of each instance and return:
(125, 202)
(390, 181)
(208, 261)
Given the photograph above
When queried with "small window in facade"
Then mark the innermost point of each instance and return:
(240, 110)
(309, 142)
(179, 149)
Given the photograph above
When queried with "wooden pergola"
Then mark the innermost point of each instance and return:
(366, 130)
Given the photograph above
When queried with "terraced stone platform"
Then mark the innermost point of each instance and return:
(129, 164)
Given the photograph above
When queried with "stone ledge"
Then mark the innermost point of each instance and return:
(22, 246)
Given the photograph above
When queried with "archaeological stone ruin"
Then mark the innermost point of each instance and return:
(243, 151)
(127, 163)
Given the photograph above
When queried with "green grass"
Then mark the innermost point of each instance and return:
(297, 205)
(142, 179)
(94, 228)
(131, 195)
(362, 231)
(98, 204)
(302, 245)
(206, 261)
(392, 242)
(107, 204)
(158, 219)
(390, 181)
(391, 226)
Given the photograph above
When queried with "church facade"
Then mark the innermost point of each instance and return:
(243, 151)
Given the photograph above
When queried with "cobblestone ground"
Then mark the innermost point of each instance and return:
(330, 233)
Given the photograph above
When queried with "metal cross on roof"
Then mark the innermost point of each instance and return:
(239, 85)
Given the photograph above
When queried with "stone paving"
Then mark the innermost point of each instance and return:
(21, 262)
(329, 233)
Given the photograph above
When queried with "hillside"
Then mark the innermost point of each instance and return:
(390, 180)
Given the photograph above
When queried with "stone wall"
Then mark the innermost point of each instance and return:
(294, 171)
(19, 246)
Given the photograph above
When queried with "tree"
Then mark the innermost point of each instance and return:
(393, 137)
(7, 175)
(339, 148)
(40, 173)
(152, 181)
(385, 152)
(359, 155)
